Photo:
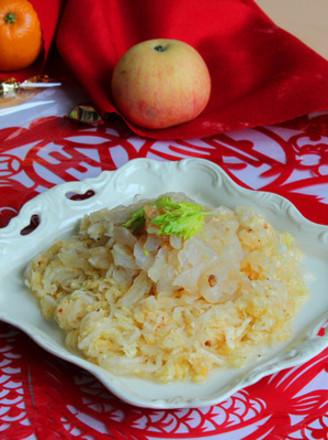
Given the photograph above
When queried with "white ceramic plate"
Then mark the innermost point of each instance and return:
(206, 183)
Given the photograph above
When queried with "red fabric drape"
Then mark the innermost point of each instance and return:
(260, 73)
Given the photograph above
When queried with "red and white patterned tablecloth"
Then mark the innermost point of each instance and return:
(44, 398)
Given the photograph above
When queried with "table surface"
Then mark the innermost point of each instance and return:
(45, 398)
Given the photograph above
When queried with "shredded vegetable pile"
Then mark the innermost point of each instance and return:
(168, 290)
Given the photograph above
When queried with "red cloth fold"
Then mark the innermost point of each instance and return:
(49, 16)
(260, 73)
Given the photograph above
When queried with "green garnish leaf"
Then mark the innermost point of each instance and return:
(137, 219)
(167, 204)
(183, 219)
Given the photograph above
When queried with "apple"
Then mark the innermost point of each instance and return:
(161, 83)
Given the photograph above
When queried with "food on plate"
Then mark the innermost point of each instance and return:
(20, 35)
(161, 83)
(170, 290)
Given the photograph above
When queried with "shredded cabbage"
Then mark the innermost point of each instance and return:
(165, 307)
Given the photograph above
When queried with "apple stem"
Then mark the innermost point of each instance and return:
(159, 48)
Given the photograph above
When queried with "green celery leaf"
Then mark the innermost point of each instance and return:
(137, 219)
(183, 219)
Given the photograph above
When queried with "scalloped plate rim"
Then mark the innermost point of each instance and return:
(105, 179)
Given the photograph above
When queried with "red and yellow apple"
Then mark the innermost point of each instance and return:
(161, 83)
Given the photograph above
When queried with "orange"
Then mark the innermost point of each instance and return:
(20, 35)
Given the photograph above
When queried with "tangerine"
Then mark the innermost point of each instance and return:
(20, 35)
